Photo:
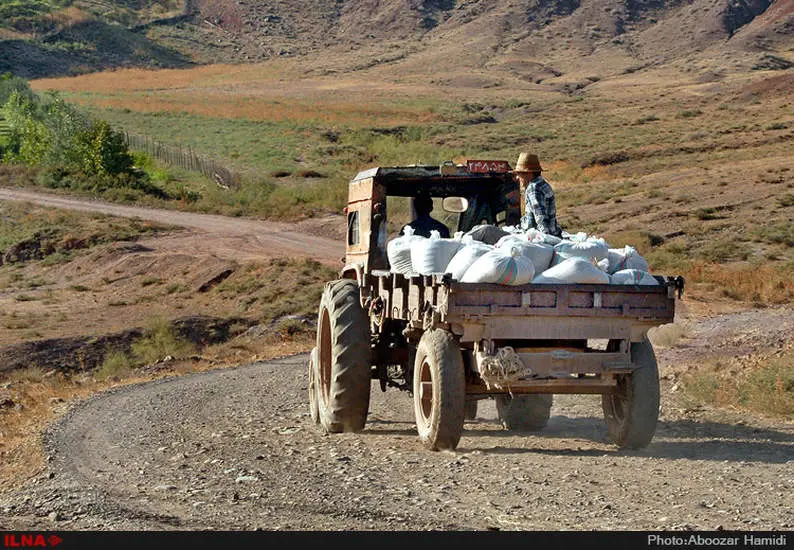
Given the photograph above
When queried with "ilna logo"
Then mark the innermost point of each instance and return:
(32, 540)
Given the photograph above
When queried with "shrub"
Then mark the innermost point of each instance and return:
(75, 150)
(116, 364)
(160, 341)
(102, 151)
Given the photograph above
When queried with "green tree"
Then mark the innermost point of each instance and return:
(28, 137)
(102, 150)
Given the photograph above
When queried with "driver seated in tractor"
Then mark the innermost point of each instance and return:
(424, 223)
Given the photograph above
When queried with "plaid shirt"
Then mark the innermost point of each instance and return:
(541, 208)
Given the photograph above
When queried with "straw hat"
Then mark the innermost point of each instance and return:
(528, 162)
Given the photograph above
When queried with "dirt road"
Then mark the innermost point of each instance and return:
(236, 449)
(226, 237)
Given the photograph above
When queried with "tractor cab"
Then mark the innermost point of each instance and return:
(464, 196)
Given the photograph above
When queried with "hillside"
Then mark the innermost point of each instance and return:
(564, 41)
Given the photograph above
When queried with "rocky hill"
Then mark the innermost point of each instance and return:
(529, 39)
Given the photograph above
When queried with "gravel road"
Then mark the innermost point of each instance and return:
(235, 449)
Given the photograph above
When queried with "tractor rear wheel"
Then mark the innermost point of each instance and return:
(344, 359)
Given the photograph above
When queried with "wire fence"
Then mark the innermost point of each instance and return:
(185, 158)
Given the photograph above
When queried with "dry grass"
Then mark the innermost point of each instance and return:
(207, 76)
(767, 389)
(762, 284)
(253, 108)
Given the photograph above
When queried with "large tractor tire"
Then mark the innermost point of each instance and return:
(439, 388)
(524, 413)
(344, 373)
(631, 414)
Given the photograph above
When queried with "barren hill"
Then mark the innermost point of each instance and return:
(529, 39)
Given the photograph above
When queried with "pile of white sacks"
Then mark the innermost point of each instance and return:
(515, 257)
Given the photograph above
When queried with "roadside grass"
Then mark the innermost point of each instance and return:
(767, 389)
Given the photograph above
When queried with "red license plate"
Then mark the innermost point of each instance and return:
(487, 166)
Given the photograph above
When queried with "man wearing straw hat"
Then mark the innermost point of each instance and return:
(540, 209)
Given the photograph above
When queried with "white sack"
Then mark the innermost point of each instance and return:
(626, 258)
(594, 250)
(466, 256)
(399, 250)
(573, 270)
(434, 254)
(541, 254)
(501, 266)
(633, 277)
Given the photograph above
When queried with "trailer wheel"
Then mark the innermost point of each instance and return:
(344, 373)
(631, 414)
(439, 388)
(313, 406)
(524, 412)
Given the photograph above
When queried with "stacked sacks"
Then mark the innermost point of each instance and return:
(519, 257)
(466, 256)
(434, 254)
(573, 270)
(504, 266)
(541, 237)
